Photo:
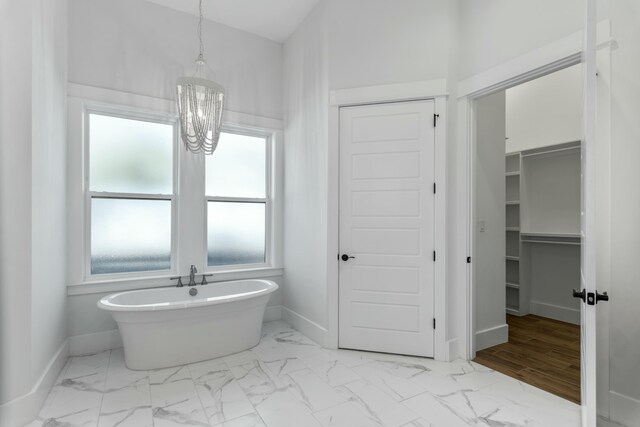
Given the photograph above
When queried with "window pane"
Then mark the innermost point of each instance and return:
(130, 156)
(130, 235)
(238, 167)
(236, 233)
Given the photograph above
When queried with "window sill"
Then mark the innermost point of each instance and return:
(119, 285)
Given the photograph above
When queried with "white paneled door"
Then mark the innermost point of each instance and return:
(387, 252)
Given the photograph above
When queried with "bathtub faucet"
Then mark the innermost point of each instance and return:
(192, 275)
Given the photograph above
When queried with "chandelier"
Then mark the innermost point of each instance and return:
(200, 103)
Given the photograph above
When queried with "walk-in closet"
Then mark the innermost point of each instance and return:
(527, 243)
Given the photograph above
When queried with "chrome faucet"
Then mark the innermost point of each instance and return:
(192, 275)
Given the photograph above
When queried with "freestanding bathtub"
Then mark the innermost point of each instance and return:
(169, 327)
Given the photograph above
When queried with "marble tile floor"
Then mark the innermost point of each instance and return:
(288, 380)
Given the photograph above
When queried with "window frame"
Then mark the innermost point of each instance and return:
(189, 185)
(267, 200)
(129, 114)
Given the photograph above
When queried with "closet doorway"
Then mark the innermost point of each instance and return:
(527, 243)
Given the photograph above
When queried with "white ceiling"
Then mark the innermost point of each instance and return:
(272, 19)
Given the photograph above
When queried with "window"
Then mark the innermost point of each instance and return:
(142, 209)
(130, 193)
(237, 198)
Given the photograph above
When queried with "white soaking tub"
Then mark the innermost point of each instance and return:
(168, 327)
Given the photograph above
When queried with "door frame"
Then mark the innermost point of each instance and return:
(435, 90)
(538, 63)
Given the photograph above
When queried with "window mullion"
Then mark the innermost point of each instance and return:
(237, 199)
(135, 196)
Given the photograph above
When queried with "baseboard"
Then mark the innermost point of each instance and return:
(492, 336)
(308, 327)
(272, 312)
(605, 422)
(624, 409)
(80, 345)
(563, 314)
(25, 408)
(453, 350)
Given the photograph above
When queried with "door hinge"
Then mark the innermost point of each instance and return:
(434, 188)
(434, 323)
(468, 260)
(434, 255)
(435, 119)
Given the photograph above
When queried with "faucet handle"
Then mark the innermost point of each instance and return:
(204, 278)
(193, 269)
(179, 285)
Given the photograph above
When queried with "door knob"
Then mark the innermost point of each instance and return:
(591, 298)
(601, 296)
(346, 257)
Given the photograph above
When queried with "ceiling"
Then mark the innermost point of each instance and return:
(272, 19)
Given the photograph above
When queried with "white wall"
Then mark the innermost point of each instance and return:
(494, 31)
(48, 198)
(15, 198)
(32, 201)
(490, 248)
(139, 47)
(545, 111)
(555, 271)
(625, 209)
(306, 150)
(375, 42)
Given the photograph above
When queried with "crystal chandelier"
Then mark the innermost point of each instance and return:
(200, 103)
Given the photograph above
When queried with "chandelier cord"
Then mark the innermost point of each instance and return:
(201, 57)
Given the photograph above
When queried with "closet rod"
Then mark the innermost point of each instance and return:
(551, 242)
(551, 151)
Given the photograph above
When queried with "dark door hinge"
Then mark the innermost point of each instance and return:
(468, 260)
(434, 188)
(434, 323)
(434, 255)
(435, 119)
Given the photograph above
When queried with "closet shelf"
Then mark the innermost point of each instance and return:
(512, 202)
(514, 173)
(513, 228)
(513, 285)
(559, 235)
(512, 258)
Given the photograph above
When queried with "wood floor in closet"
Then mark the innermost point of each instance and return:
(542, 352)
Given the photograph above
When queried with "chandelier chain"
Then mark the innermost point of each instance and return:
(200, 33)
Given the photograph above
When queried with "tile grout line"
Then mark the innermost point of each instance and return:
(104, 387)
(255, 410)
(195, 389)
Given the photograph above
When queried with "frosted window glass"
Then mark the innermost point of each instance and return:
(238, 167)
(236, 233)
(130, 156)
(130, 235)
